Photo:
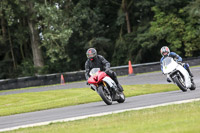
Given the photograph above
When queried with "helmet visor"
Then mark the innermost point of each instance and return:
(165, 53)
(90, 55)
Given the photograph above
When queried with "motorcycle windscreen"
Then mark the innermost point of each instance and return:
(169, 65)
(94, 76)
(94, 71)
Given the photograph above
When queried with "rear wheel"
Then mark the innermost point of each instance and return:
(180, 83)
(105, 95)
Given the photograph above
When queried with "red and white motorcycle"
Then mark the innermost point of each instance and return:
(105, 87)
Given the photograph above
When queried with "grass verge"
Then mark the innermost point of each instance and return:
(34, 101)
(182, 118)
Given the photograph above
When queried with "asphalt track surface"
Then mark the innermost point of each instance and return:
(101, 107)
(147, 78)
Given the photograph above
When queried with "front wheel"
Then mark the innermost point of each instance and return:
(180, 83)
(105, 95)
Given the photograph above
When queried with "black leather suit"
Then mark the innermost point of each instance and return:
(99, 62)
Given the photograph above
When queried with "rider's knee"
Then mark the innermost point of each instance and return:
(186, 66)
(114, 74)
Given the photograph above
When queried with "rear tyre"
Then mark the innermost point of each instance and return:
(180, 83)
(105, 95)
(122, 97)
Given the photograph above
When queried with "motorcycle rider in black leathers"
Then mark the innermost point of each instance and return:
(98, 61)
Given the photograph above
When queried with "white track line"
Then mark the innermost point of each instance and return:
(95, 115)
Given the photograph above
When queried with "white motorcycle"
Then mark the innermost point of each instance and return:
(178, 74)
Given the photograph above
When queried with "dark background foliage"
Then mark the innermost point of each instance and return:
(52, 36)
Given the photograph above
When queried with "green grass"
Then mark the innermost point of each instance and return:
(195, 66)
(182, 118)
(34, 101)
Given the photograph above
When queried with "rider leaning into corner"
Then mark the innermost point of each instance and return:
(165, 52)
(98, 61)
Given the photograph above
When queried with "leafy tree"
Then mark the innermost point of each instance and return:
(34, 35)
(128, 46)
(54, 30)
(169, 28)
(38, 37)
(191, 37)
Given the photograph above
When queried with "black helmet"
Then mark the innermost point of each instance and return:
(164, 51)
(91, 53)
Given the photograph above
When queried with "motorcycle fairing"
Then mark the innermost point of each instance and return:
(186, 75)
(169, 65)
(92, 80)
(109, 81)
(96, 78)
(101, 75)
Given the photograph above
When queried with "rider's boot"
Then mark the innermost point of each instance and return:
(120, 87)
(186, 66)
(190, 73)
(192, 80)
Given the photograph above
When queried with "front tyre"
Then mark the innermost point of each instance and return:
(105, 95)
(180, 83)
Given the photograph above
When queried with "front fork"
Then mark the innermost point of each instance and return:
(96, 87)
(175, 75)
(105, 87)
(171, 77)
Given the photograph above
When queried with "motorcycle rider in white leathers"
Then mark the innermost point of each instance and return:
(165, 52)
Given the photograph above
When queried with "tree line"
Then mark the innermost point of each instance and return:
(52, 36)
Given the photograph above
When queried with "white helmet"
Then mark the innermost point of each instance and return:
(164, 51)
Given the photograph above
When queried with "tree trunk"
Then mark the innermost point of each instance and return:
(11, 49)
(125, 9)
(128, 22)
(35, 42)
(3, 27)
